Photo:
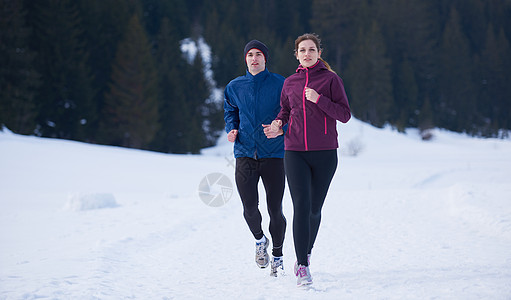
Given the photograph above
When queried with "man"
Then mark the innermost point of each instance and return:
(251, 101)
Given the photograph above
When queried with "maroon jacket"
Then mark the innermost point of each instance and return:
(312, 126)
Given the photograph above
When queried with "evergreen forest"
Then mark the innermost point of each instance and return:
(112, 71)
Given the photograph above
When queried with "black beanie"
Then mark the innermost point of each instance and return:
(257, 45)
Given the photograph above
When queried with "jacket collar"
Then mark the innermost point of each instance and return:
(259, 76)
(318, 66)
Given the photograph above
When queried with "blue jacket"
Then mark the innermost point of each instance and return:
(251, 101)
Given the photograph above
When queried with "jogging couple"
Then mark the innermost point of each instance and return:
(285, 128)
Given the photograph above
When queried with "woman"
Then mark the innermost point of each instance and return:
(312, 100)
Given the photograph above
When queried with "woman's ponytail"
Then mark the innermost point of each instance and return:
(327, 65)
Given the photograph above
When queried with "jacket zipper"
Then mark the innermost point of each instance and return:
(255, 88)
(304, 113)
(325, 125)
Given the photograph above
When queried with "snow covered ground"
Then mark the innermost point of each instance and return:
(404, 219)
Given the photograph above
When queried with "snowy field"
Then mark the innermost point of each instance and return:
(404, 219)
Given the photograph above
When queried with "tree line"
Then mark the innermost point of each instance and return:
(112, 71)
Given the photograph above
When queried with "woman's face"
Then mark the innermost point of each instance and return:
(307, 53)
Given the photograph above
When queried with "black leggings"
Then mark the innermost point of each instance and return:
(308, 175)
(271, 170)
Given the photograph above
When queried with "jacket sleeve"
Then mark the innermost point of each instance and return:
(337, 107)
(231, 112)
(285, 109)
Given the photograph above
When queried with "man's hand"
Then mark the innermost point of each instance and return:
(231, 136)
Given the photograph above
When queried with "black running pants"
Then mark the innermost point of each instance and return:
(271, 171)
(309, 174)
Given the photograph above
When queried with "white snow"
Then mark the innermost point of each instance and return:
(404, 219)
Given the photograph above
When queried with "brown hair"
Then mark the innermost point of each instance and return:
(315, 38)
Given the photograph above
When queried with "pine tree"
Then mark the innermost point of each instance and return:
(505, 95)
(198, 92)
(105, 22)
(337, 23)
(18, 79)
(223, 31)
(130, 116)
(411, 33)
(174, 112)
(457, 83)
(65, 99)
(175, 11)
(369, 77)
(406, 97)
(495, 78)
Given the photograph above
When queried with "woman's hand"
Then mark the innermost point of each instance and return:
(275, 125)
(311, 95)
(231, 136)
(273, 130)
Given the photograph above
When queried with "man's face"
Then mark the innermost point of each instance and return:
(255, 60)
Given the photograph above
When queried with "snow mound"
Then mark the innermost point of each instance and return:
(4, 131)
(90, 201)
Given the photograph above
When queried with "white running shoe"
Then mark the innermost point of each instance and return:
(308, 262)
(261, 258)
(303, 276)
(277, 265)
